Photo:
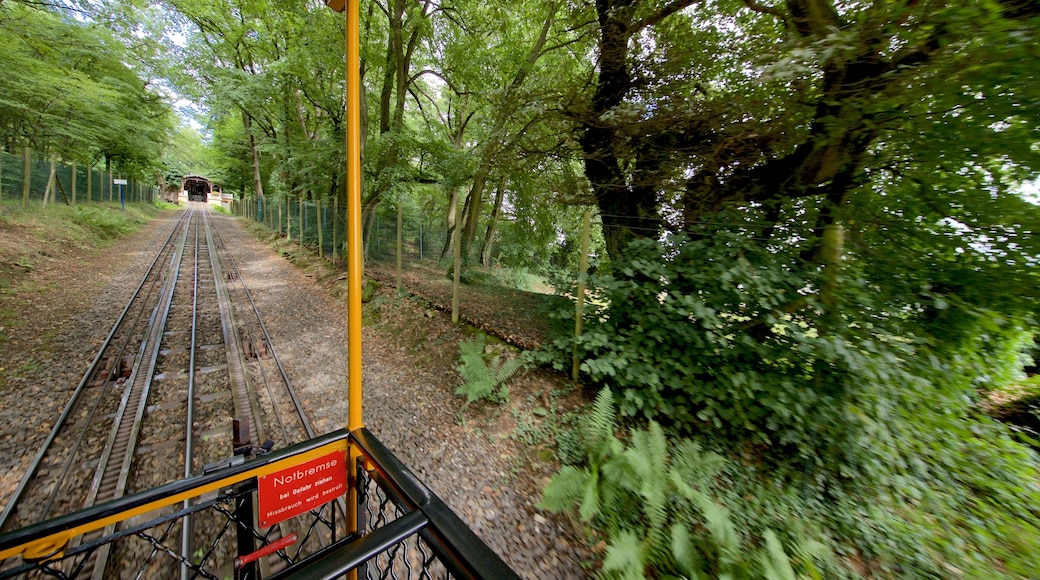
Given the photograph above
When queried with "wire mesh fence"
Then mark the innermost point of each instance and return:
(323, 226)
(30, 177)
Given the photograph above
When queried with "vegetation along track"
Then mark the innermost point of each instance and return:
(188, 354)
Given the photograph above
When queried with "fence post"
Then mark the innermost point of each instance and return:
(400, 241)
(26, 175)
(335, 223)
(321, 239)
(458, 262)
(579, 314)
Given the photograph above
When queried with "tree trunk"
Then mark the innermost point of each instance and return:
(496, 142)
(258, 185)
(453, 200)
(392, 98)
(485, 246)
(474, 202)
(73, 182)
(618, 207)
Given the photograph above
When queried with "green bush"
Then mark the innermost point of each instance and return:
(669, 507)
(106, 224)
(654, 499)
(695, 334)
(861, 420)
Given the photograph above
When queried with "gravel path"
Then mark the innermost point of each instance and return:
(476, 464)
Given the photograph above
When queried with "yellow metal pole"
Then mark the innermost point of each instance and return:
(353, 217)
(353, 256)
(353, 240)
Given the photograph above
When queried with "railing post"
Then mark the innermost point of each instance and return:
(359, 492)
(241, 444)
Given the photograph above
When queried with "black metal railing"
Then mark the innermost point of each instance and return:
(395, 527)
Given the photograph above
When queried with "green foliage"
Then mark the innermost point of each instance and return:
(68, 89)
(652, 497)
(484, 378)
(863, 415)
(695, 334)
(105, 223)
(936, 513)
(721, 333)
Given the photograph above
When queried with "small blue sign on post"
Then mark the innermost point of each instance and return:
(121, 183)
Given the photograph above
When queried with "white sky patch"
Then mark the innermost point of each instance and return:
(189, 113)
(1030, 191)
(178, 38)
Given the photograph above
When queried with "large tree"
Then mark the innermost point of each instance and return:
(699, 106)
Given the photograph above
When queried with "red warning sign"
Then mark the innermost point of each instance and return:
(300, 488)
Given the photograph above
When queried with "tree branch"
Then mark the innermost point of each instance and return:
(665, 12)
(763, 9)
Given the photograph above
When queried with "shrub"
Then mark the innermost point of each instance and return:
(669, 507)
(483, 378)
(653, 498)
(861, 420)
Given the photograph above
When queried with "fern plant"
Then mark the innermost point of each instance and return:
(651, 497)
(483, 378)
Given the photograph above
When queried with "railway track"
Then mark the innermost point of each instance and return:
(189, 353)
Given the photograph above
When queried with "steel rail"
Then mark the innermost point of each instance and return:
(135, 399)
(15, 499)
(302, 415)
(244, 399)
(189, 440)
(237, 275)
(270, 345)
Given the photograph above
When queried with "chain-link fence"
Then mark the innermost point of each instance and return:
(324, 226)
(64, 183)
